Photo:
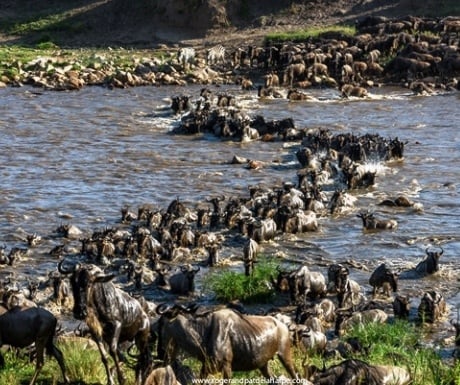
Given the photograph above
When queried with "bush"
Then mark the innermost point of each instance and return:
(314, 32)
(230, 285)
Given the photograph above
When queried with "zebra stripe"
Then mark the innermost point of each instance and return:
(186, 55)
(216, 54)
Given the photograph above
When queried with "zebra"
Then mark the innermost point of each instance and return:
(186, 55)
(215, 54)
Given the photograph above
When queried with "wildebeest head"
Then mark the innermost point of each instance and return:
(281, 283)
(337, 276)
(401, 306)
(83, 276)
(430, 264)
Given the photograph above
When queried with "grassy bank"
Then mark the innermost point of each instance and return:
(310, 33)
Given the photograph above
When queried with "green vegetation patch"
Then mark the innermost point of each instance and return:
(228, 285)
(314, 32)
(401, 343)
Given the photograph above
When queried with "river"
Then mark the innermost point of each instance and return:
(78, 157)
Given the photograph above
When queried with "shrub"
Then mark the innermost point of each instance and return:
(230, 285)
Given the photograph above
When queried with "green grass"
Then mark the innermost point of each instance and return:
(228, 285)
(83, 367)
(399, 344)
(314, 32)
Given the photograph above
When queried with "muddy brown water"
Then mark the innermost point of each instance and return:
(78, 157)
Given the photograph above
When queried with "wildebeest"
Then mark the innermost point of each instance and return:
(180, 103)
(430, 264)
(304, 283)
(23, 327)
(432, 307)
(383, 278)
(372, 223)
(311, 341)
(348, 90)
(61, 288)
(294, 94)
(357, 372)
(263, 230)
(401, 307)
(112, 316)
(348, 290)
(163, 375)
(347, 319)
(250, 250)
(224, 340)
(180, 281)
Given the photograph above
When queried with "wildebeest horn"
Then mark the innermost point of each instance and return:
(163, 308)
(65, 270)
(427, 250)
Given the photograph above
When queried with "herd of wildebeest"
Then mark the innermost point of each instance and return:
(159, 247)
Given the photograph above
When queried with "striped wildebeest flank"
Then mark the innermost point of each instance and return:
(347, 319)
(223, 340)
(186, 56)
(215, 54)
(112, 316)
(432, 307)
(301, 283)
(355, 372)
(21, 327)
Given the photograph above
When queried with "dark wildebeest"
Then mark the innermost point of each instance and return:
(401, 307)
(383, 278)
(61, 288)
(22, 327)
(112, 316)
(180, 281)
(430, 264)
(356, 372)
(224, 340)
(348, 290)
(372, 223)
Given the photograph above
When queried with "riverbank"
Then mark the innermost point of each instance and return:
(376, 51)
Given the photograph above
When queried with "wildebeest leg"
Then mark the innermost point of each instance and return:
(105, 361)
(40, 350)
(266, 371)
(52, 350)
(142, 343)
(286, 360)
(114, 353)
(247, 269)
